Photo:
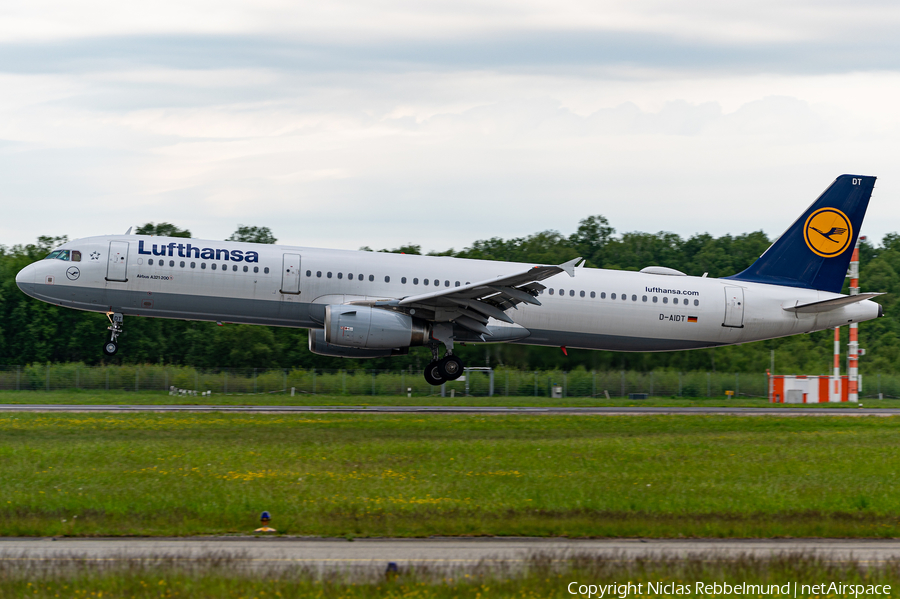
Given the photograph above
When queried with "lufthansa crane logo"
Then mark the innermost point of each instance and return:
(828, 232)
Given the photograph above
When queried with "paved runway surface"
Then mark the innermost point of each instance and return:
(609, 411)
(436, 551)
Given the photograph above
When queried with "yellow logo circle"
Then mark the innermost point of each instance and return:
(828, 232)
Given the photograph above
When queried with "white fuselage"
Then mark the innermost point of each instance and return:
(595, 309)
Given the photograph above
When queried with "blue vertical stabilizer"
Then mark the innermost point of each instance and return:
(815, 251)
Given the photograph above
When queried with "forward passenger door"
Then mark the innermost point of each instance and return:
(116, 268)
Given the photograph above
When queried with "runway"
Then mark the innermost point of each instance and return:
(530, 410)
(376, 553)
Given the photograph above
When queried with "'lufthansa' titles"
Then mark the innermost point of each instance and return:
(186, 250)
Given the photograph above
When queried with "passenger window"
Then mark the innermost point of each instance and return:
(643, 298)
(624, 297)
(234, 268)
(193, 265)
(655, 299)
(308, 272)
(387, 279)
(446, 283)
(203, 266)
(424, 281)
(602, 295)
(593, 295)
(562, 291)
(581, 294)
(665, 300)
(213, 266)
(319, 274)
(171, 263)
(256, 269)
(612, 296)
(182, 264)
(634, 298)
(76, 256)
(571, 293)
(696, 302)
(329, 274)
(150, 261)
(371, 278)
(266, 270)
(340, 275)
(246, 268)
(457, 284)
(674, 300)
(350, 276)
(415, 281)
(403, 280)
(550, 291)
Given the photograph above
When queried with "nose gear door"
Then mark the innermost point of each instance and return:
(290, 274)
(118, 261)
(734, 307)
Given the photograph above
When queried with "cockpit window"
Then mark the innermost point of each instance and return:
(76, 256)
(53, 255)
(60, 255)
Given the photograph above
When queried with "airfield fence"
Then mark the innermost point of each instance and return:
(507, 381)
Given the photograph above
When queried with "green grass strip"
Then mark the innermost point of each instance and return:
(415, 475)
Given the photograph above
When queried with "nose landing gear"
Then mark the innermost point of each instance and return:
(115, 329)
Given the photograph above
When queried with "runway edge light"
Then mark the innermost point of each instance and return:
(264, 519)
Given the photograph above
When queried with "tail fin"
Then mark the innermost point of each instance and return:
(815, 251)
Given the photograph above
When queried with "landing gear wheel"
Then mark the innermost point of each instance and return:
(451, 367)
(115, 329)
(433, 374)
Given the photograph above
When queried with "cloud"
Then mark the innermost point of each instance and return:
(348, 124)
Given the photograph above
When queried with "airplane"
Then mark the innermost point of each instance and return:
(359, 304)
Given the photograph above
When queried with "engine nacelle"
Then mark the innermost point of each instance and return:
(372, 328)
(318, 345)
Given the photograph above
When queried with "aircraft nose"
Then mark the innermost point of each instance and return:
(25, 279)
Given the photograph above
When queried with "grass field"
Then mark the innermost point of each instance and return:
(412, 475)
(261, 399)
(540, 577)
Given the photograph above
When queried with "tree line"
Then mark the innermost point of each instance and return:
(34, 332)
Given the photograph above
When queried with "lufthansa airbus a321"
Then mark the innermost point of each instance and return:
(369, 305)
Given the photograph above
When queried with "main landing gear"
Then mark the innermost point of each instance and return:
(438, 371)
(115, 329)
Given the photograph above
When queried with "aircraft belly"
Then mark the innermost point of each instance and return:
(576, 340)
(180, 305)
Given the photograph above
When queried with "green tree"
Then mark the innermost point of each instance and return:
(162, 230)
(253, 235)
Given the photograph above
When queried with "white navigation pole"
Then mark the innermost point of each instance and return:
(836, 377)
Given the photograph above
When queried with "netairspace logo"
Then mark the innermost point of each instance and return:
(790, 589)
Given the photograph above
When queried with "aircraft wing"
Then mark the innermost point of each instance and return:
(473, 304)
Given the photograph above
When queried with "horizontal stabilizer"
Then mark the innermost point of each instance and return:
(831, 304)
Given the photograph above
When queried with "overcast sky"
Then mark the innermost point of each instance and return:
(349, 122)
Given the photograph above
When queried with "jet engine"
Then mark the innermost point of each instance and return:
(318, 345)
(365, 327)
